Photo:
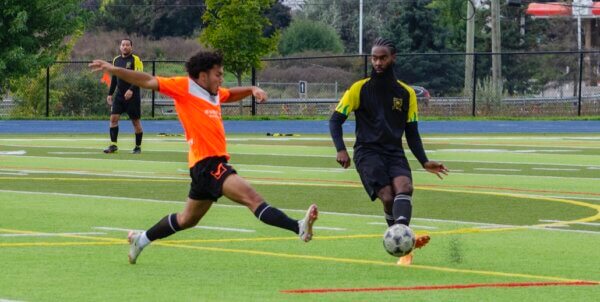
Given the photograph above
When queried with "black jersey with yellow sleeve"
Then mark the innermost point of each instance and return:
(131, 62)
(383, 107)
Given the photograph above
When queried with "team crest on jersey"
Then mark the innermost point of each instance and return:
(128, 65)
(397, 104)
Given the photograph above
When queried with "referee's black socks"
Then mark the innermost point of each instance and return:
(138, 139)
(164, 228)
(402, 208)
(275, 217)
(114, 133)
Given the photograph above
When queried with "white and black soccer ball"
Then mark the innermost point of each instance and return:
(399, 240)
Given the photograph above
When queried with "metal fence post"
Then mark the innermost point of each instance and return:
(474, 85)
(580, 83)
(48, 91)
(253, 84)
(366, 65)
(153, 92)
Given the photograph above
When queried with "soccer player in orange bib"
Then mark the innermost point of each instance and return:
(198, 99)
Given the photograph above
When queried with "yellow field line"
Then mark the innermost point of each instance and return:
(94, 179)
(177, 244)
(12, 231)
(369, 262)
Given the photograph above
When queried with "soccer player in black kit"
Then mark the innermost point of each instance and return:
(127, 98)
(385, 108)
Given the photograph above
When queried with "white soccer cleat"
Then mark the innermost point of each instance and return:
(305, 225)
(134, 248)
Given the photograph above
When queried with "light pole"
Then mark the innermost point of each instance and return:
(360, 28)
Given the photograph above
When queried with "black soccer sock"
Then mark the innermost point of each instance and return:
(114, 133)
(389, 218)
(166, 227)
(138, 139)
(273, 216)
(402, 208)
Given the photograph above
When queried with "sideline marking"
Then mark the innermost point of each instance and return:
(51, 234)
(224, 229)
(435, 287)
(520, 196)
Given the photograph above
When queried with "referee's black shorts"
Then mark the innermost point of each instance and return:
(208, 176)
(377, 169)
(133, 106)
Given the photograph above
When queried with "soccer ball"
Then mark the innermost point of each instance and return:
(399, 240)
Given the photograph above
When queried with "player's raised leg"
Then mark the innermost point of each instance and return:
(239, 190)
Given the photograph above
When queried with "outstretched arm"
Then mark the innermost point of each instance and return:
(239, 93)
(136, 78)
(413, 138)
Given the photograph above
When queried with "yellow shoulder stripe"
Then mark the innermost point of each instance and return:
(137, 63)
(351, 98)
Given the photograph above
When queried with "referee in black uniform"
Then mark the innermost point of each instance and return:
(127, 98)
(385, 108)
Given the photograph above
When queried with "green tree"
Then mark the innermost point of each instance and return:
(236, 28)
(153, 18)
(303, 35)
(280, 17)
(415, 30)
(32, 34)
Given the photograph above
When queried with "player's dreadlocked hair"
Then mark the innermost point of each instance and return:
(203, 61)
(385, 43)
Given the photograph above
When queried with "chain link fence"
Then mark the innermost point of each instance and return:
(533, 84)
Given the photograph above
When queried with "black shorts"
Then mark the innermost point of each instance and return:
(208, 176)
(131, 106)
(378, 169)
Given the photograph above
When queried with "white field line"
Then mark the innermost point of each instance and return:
(328, 228)
(204, 227)
(25, 172)
(196, 227)
(7, 300)
(260, 171)
(13, 173)
(116, 229)
(96, 174)
(482, 225)
(185, 178)
(51, 234)
(18, 152)
(333, 158)
(497, 169)
(65, 153)
(555, 169)
(518, 163)
(581, 223)
(324, 156)
(330, 170)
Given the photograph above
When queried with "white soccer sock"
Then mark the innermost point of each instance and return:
(143, 241)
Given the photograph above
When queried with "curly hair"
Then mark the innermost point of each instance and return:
(203, 61)
(385, 43)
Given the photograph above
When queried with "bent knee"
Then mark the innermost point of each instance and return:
(188, 221)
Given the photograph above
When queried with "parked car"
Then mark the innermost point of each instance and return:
(423, 95)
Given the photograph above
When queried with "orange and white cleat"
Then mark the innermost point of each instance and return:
(420, 242)
(305, 225)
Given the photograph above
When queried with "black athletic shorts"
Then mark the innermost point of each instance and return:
(131, 106)
(378, 169)
(208, 176)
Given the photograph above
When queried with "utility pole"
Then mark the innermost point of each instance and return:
(360, 28)
(496, 46)
(469, 48)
